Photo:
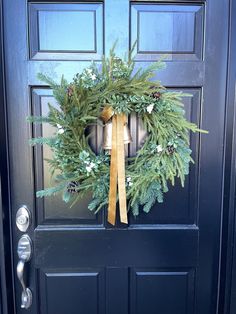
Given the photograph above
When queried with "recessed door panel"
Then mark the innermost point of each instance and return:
(167, 291)
(184, 198)
(54, 209)
(176, 30)
(59, 31)
(64, 290)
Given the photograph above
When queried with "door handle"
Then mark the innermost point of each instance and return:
(24, 250)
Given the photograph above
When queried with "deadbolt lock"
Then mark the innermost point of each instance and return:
(23, 218)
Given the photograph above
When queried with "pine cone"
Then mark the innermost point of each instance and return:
(69, 91)
(170, 149)
(71, 187)
(156, 95)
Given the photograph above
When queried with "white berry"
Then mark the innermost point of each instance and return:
(159, 148)
(150, 108)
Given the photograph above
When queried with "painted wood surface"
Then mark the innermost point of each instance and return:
(165, 262)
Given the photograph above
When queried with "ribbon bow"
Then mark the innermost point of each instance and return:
(117, 165)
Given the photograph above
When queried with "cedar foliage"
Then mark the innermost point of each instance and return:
(164, 156)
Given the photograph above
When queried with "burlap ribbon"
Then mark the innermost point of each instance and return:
(117, 166)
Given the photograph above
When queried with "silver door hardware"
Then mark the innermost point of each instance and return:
(23, 218)
(24, 250)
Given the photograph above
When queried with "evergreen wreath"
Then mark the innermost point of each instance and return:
(164, 155)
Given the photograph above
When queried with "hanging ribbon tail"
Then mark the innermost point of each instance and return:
(117, 171)
(113, 175)
(121, 119)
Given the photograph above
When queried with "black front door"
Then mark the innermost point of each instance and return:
(166, 262)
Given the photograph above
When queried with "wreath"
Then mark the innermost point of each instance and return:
(107, 93)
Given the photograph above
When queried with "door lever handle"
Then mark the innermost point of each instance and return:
(24, 250)
(26, 296)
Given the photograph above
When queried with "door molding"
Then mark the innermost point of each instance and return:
(6, 284)
(227, 293)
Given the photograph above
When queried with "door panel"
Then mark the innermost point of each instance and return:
(174, 290)
(164, 262)
(59, 31)
(74, 290)
(175, 29)
(53, 210)
(185, 198)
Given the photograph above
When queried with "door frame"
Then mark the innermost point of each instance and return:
(227, 291)
(227, 285)
(6, 282)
